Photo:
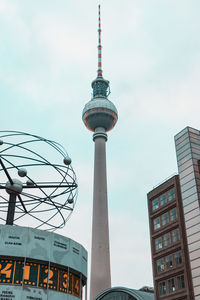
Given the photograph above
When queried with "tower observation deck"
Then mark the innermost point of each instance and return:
(99, 116)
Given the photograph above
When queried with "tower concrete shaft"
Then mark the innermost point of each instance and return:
(100, 115)
(100, 260)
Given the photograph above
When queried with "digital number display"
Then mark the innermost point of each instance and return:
(64, 282)
(7, 270)
(39, 275)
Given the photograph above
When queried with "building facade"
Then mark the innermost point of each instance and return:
(188, 158)
(170, 260)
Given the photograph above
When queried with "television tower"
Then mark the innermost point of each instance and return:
(99, 116)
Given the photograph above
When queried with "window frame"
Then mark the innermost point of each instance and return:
(171, 287)
(156, 206)
(182, 282)
(164, 288)
(178, 258)
(171, 194)
(172, 215)
(161, 265)
(169, 262)
(163, 199)
(167, 241)
(155, 225)
(175, 235)
(163, 218)
(157, 244)
(172, 265)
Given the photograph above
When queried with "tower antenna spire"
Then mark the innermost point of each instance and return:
(99, 71)
(100, 115)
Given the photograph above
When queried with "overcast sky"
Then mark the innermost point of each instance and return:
(151, 56)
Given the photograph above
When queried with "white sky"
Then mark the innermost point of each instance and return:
(151, 55)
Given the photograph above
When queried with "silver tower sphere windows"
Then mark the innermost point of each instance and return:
(100, 112)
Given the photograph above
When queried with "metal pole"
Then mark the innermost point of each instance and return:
(86, 291)
(11, 209)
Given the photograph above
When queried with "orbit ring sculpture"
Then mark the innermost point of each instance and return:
(38, 186)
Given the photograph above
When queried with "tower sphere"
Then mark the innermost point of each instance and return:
(99, 112)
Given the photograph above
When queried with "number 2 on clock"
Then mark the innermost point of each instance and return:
(50, 276)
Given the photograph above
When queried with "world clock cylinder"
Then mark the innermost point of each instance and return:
(40, 265)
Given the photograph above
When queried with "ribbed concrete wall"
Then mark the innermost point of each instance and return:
(188, 154)
(100, 264)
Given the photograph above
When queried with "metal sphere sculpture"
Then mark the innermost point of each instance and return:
(38, 184)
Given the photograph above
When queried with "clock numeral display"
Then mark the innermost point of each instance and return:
(63, 281)
(76, 286)
(39, 275)
(6, 271)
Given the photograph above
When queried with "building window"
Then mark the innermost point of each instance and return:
(181, 282)
(169, 262)
(160, 265)
(158, 243)
(173, 214)
(162, 288)
(165, 219)
(171, 285)
(155, 204)
(175, 235)
(171, 194)
(163, 199)
(178, 258)
(156, 223)
(167, 239)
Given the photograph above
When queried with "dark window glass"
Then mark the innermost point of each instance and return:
(175, 235)
(173, 214)
(178, 258)
(171, 194)
(163, 199)
(155, 204)
(162, 288)
(165, 219)
(167, 239)
(160, 265)
(181, 282)
(169, 262)
(156, 223)
(158, 243)
(171, 285)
